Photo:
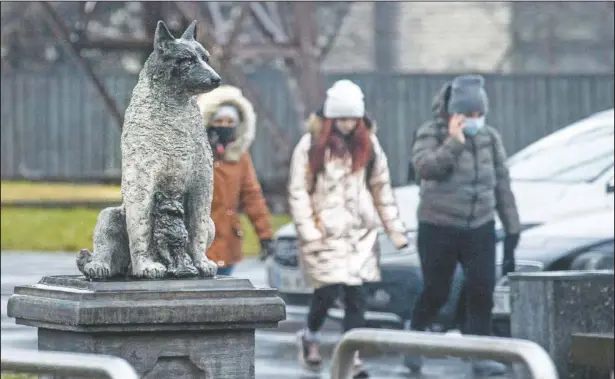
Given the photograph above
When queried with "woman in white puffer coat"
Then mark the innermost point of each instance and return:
(339, 194)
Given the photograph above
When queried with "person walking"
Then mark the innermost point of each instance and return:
(339, 194)
(231, 125)
(463, 182)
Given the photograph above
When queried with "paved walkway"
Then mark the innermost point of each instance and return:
(275, 349)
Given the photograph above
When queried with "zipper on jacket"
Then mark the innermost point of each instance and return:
(475, 195)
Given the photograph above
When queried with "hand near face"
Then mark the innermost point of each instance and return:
(455, 127)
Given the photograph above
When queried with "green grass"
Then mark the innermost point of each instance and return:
(33, 229)
(24, 191)
(18, 376)
(71, 229)
(47, 229)
(251, 243)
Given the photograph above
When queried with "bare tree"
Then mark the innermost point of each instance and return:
(291, 36)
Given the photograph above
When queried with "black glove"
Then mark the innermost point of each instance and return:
(510, 244)
(266, 249)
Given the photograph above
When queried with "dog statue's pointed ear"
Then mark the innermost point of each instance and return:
(162, 36)
(190, 33)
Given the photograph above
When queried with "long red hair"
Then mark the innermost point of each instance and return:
(359, 146)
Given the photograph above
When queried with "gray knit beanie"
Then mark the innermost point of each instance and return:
(468, 95)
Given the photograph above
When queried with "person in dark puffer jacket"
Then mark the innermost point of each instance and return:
(464, 181)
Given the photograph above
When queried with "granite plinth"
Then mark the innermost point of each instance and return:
(181, 329)
(548, 307)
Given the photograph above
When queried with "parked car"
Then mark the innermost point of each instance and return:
(563, 175)
(578, 242)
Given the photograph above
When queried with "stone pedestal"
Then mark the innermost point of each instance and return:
(180, 329)
(547, 307)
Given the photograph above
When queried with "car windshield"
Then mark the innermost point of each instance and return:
(582, 158)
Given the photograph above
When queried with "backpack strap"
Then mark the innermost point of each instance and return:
(369, 168)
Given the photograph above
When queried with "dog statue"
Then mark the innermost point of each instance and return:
(164, 149)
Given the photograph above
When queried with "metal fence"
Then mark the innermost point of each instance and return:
(60, 363)
(55, 125)
(536, 359)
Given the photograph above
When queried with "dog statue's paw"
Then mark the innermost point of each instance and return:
(83, 258)
(206, 267)
(149, 270)
(97, 270)
(185, 270)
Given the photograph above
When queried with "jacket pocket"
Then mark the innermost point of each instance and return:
(313, 247)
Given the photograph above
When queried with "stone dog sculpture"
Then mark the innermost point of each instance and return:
(164, 150)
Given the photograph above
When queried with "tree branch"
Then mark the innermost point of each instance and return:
(236, 76)
(217, 19)
(332, 37)
(145, 45)
(266, 24)
(310, 78)
(236, 29)
(85, 15)
(274, 12)
(63, 35)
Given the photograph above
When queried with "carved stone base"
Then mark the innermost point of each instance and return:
(180, 329)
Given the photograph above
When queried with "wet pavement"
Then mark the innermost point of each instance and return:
(276, 356)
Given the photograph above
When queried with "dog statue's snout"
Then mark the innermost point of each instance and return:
(215, 80)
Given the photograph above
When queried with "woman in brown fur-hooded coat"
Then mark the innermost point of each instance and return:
(231, 123)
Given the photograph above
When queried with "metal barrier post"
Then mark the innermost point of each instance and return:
(61, 363)
(535, 357)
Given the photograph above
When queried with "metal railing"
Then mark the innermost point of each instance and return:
(535, 357)
(60, 363)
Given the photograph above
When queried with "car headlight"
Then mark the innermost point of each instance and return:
(286, 252)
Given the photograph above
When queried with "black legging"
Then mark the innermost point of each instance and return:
(324, 297)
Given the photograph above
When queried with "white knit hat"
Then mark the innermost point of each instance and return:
(344, 99)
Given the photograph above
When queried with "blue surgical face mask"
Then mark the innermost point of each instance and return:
(473, 125)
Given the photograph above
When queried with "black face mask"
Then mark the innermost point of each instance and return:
(219, 137)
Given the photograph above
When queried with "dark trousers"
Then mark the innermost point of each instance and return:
(324, 297)
(440, 249)
(460, 312)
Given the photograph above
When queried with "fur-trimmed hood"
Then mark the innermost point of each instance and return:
(210, 102)
(313, 124)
